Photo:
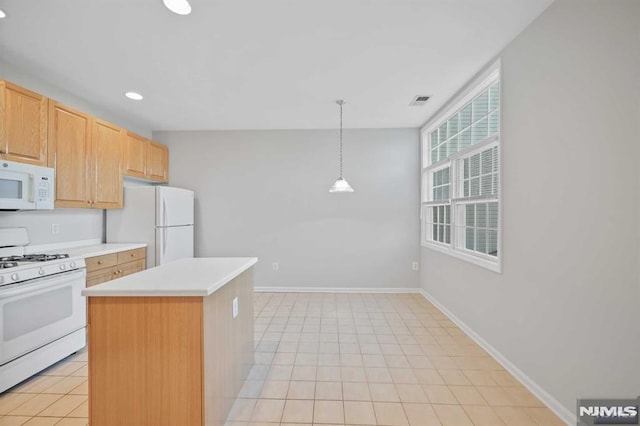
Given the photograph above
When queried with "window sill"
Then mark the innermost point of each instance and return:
(478, 261)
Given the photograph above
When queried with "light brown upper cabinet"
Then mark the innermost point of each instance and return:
(69, 150)
(158, 162)
(145, 159)
(106, 167)
(23, 125)
(86, 153)
(135, 155)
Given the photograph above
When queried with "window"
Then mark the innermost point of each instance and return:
(461, 176)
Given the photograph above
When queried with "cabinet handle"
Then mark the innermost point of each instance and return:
(2, 151)
(133, 255)
(100, 262)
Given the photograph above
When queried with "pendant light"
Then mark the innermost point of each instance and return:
(341, 185)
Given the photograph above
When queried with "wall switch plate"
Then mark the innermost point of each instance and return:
(415, 266)
(55, 228)
(275, 266)
(234, 307)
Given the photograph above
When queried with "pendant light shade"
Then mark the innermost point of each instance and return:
(341, 184)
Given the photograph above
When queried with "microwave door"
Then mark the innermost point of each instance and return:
(16, 190)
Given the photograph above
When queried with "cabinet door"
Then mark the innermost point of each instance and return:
(106, 168)
(23, 125)
(101, 276)
(131, 268)
(69, 142)
(157, 162)
(135, 155)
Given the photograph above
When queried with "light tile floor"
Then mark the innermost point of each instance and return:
(347, 359)
(56, 396)
(374, 359)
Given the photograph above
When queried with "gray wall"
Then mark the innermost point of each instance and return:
(566, 308)
(75, 224)
(265, 194)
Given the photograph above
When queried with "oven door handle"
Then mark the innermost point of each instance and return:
(43, 283)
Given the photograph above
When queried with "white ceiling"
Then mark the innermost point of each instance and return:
(261, 64)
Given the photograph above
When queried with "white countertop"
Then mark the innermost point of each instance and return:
(84, 248)
(101, 249)
(186, 277)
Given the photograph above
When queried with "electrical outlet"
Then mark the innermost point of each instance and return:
(415, 266)
(55, 228)
(234, 307)
(275, 266)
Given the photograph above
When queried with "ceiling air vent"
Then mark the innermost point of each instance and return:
(419, 100)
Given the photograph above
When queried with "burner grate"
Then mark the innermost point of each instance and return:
(34, 258)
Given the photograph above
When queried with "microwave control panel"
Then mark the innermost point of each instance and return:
(43, 189)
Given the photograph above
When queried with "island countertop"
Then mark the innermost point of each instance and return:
(184, 277)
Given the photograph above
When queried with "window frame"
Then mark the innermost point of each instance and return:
(457, 248)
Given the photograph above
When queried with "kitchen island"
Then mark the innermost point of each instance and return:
(171, 345)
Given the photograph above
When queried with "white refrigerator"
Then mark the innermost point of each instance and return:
(160, 216)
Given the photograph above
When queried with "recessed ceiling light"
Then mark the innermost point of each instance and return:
(181, 7)
(2, 14)
(133, 95)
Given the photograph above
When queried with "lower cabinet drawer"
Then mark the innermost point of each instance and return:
(131, 255)
(131, 268)
(100, 276)
(100, 262)
(108, 267)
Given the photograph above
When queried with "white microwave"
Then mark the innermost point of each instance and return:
(26, 187)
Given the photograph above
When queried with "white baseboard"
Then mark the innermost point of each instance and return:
(561, 411)
(335, 290)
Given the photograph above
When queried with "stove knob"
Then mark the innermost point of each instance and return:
(41, 271)
(14, 277)
(72, 264)
(63, 267)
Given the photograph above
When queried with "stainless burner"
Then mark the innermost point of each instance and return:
(7, 265)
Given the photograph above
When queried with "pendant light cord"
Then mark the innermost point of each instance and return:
(341, 139)
(341, 185)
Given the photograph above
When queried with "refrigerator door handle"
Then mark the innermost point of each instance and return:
(164, 242)
(164, 212)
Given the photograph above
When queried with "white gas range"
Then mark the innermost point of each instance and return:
(42, 313)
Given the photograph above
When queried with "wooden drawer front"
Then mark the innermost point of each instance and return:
(130, 268)
(131, 255)
(100, 262)
(100, 276)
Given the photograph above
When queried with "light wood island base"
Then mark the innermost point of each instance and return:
(169, 360)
